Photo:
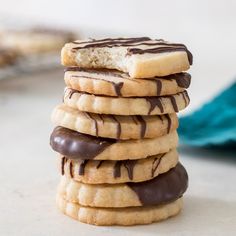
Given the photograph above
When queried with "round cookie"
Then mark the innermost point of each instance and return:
(81, 146)
(126, 106)
(119, 216)
(112, 126)
(164, 188)
(116, 83)
(113, 172)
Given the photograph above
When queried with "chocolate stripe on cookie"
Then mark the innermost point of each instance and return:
(162, 189)
(111, 42)
(62, 165)
(156, 163)
(169, 122)
(82, 167)
(153, 101)
(118, 133)
(143, 125)
(163, 47)
(90, 116)
(128, 164)
(117, 86)
(182, 79)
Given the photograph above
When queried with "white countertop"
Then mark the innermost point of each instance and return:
(28, 173)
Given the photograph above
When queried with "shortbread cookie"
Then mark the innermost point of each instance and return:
(36, 40)
(116, 83)
(113, 172)
(126, 106)
(113, 126)
(119, 216)
(160, 190)
(140, 57)
(76, 145)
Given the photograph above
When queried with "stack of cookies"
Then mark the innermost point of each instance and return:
(116, 130)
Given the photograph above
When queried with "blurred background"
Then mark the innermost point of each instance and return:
(206, 27)
(31, 84)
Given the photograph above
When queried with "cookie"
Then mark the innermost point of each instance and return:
(36, 40)
(113, 126)
(160, 190)
(116, 83)
(119, 216)
(113, 172)
(76, 145)
(126, 106)
(139, 57)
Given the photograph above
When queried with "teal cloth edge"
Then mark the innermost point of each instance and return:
(214, 124)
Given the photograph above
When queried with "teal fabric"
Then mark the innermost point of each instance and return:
(214, 124)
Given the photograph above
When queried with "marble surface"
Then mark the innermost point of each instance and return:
(28, 173)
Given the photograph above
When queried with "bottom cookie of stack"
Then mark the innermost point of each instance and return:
(120, 216)
(124, 204)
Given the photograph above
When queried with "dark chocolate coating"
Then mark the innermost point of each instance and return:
(164, 188)
(77, 145)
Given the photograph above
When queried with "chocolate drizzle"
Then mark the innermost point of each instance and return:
(77, 145)
(168, 123)
(159, 86)
(174, 104)
(90, 116)
(163, 46)
(154, 102)
(118, 87)
(71, 92)
(162, 189)
(143, 126)
(62, 165)
(168, 48)
(99, 164)
(118, 132)
(71, 170)
(156, 163)
(186, 98)
(128, 164)
(109, 42)
(117, 170)
(82, 166)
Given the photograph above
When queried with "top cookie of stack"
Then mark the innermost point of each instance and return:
(139, 57)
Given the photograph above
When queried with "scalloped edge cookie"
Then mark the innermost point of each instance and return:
(111, 126)
(114, 172)
(83, 147)
(126, 106)
(119, 216)
(116, 83)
